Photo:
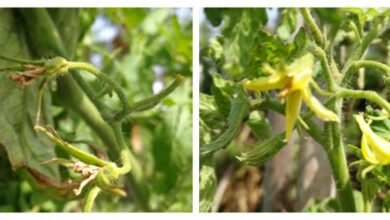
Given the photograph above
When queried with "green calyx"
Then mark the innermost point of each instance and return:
(56, 66)
(108, 176)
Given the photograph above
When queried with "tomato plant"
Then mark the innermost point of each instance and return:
(83, 127)
(268, 73)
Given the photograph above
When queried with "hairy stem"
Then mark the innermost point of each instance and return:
(325, 66)
(309, 20)
(337, 159)
(361, 94)
(355, 66)
(334, 147)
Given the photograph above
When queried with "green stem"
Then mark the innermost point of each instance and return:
(268, 103)
(124, 154)
(91, 94)
(362, 94)
(355, 31)
(126, 162)
(150, 102)
(355, 66)
(90, 198)
(337, 159)
(22, 61)
(39, 101)
(136, 179)
(334, 148)
(117, 128)
(91, 69)
(79, 154)
(74, 98)
(320, 90)
(309, 20)
(325, 66)
(102, 93)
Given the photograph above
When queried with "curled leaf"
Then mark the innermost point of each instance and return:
(239, 110)
(264, 151)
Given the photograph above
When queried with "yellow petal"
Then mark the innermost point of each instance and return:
(275, 81)
(379, 146)
(367, 152)
(293, 107)
(316, 106)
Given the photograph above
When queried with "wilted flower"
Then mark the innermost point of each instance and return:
(27, 77)
(52, 67)
(293, 80)
(375, 149)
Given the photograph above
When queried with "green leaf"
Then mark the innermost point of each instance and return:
(240, 28)
(259, 125)
(330, 15)
(214, 15)
(370, 188)
(368, 13)
(273, 51)
(68, 25)
(215, 49)
(129, 17)
(386, 203)
(380, 127)
(222, 91)
(263, 151)
(18, 108)
(208, 110)
(287, 24)
(172, 149)
(239, 110)
(207, 185)
(209, 118)
(325, 205)
(300, 41)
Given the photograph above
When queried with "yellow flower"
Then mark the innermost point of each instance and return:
(293, 81)
(375, 149)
